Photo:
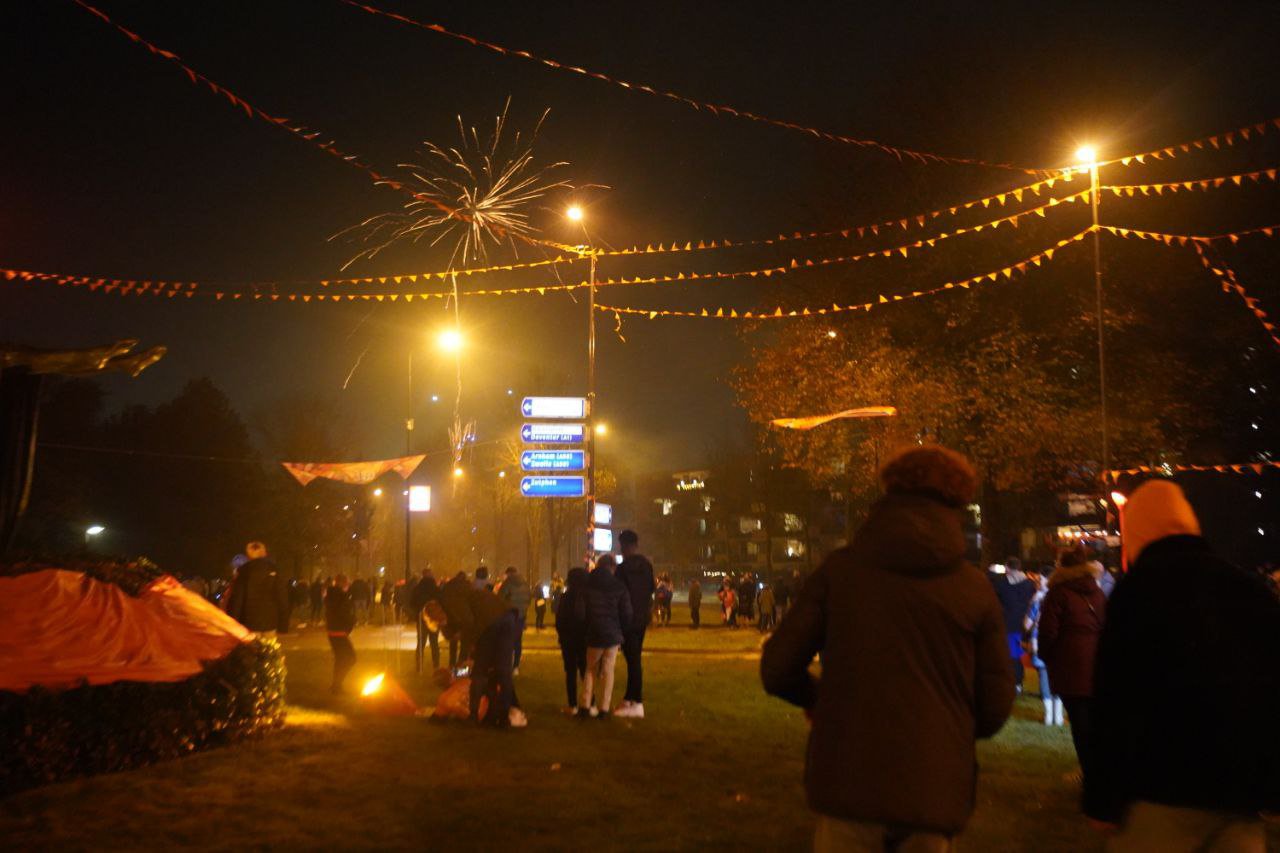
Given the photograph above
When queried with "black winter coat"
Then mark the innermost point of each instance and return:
(606, 609)
(1188, 687)
(915, 667)
(339, 611)
(1015, 600)
(260, 597)
(426, 589)
(571, 628)
(455, 600)
(636, 574)
(1071, 619)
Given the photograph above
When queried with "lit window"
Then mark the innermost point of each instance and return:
(746, 524)
(791, 522)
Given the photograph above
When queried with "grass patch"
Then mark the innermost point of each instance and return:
(716, 765)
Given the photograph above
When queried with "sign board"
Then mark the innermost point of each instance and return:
(419, 499)
(554, 407)
(601, 540)
(553, 433)
(553, 460)
(553, 487)
(603, 514)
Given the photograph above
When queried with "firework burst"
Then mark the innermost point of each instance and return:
(476, 195)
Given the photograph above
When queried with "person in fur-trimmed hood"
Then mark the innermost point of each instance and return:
(915, 666)
(1071, 620)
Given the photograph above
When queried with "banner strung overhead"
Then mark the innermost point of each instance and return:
(357, 473)
(818, 420)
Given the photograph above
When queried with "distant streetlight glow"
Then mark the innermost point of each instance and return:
(574, 213)
(377, 493)
(831, 333)
(457, 472)
(602, 429)
(502, 474)
(450, 340)
(1086, 155)
(94, 530)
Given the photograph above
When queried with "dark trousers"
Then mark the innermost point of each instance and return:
(1080, 712)
(491, 672)
(575, 666)
(458, 650)
(540, 613)
(426, 636)
(521, 620)
(632, 643)
(693, 614)
(344, 657)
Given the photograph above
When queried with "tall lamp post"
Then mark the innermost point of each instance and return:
(1087, 155)
(575, 214)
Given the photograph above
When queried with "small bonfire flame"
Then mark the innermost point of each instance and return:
(373, 685)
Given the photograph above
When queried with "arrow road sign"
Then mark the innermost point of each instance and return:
(553, 433)
(554, 407)
(553, 487)
(553, 460)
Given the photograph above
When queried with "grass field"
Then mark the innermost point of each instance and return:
(716, 765)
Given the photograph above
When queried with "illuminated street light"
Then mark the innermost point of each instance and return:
(1086, 155)
(457, 472)
(450, 340)
(574, 213)
(502, 474)
(377, 493)
(831, 333)
(94, 530)
(602, 429)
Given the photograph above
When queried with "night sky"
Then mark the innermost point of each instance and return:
(115, 165)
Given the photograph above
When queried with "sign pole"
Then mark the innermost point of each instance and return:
(591, 411)
(408, 451)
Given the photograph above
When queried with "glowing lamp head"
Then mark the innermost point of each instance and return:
(1086, 155)
(373, 685)
(377, 493)
(457, 472)
(95, 529)
(602, 429)
(574, 213)
(450, 340)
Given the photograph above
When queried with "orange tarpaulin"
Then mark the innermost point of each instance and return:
(819, 420)
(352, 472)
(58, 628)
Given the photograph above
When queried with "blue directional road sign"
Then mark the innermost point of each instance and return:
(553, 487)
(554, 407)
(553, 433)
(553, 460)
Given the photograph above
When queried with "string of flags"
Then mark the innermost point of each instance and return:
(779, 313)
(1131, 190)
(917, 220)
(314, 137)
(1216, 141)
(1188, 239)
(702, 106)
(1230, 284)
(1167, 470)
(272, 290)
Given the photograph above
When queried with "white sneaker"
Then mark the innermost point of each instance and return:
(1059, 713)
(631, 709)
(1048, 712)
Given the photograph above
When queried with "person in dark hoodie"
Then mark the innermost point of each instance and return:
(259, 596)
(914, 666)
(1187, 690)
(426, 589)
(339, 621)
(487, 626)
(1015, 591)
(454, 598)
(1071, 619)
(606, 609)
(636, 574)
(571, 630)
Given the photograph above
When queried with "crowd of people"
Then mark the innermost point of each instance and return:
(1169, 676)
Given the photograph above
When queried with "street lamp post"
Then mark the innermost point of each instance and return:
(408, 451)
(1088, 155)
(576, 214)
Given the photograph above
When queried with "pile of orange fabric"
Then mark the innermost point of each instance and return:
(60, 628)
